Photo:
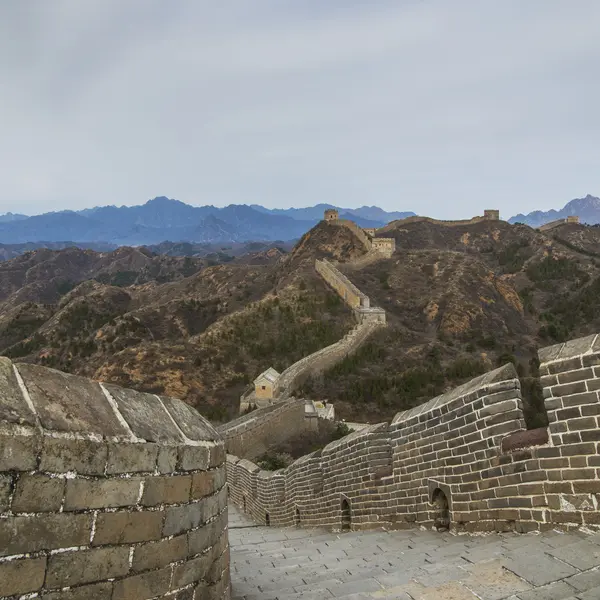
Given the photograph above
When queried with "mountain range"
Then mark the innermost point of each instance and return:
(459, 300)
(164, 219)
(587, 209)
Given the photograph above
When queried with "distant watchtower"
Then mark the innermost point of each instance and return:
(331, 214)
(491, 215)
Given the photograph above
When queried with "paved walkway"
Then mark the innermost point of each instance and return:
(285, 564)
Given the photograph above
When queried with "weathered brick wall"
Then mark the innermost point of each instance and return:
(341, 284)
(571, 380)
(469, 445)
(253, 434)
(107, 493)
(558, 223)
(327, 357)
(453, 443)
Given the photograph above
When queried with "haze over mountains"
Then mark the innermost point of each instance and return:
(162, 219)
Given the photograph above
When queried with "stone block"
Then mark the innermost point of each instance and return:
(217, 455)
(86, 566)
(5, 491)
(82, 494)
(159, 554)
(577, 375)
(85, 457)
(193, 425)
(191, 571)
(38, 493)
(131, 458)
(127, 527)
(66, 402)
(167, 459)
(193, 458)
(203, 538)
(143, 586)
(22, 576)
(13, 407)
(166, 490)
(18, 452)
(562, 366)
(549, 352)
(96, 591)
(145, 415)
(182, 518)
(203, 484)
(19, 535)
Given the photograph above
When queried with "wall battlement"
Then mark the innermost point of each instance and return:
(489, 215)
(107, 492)
(463, 460)
(558, 223)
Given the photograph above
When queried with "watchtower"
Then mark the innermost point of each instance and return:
(266, 383)
(491, 215)
(331, 214)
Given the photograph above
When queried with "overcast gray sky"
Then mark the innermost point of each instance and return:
(444, 107)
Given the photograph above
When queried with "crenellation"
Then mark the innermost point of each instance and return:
(469, 448)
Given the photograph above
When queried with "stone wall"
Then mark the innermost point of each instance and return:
(325, 358)
(358, 231)
(253, 434)
(463, 459)
(558, 223)
(418, 219)
(342, 285)
(107, 493)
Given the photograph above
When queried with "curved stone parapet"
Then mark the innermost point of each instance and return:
(107, 492)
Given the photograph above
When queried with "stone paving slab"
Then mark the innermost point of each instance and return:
(286, 564)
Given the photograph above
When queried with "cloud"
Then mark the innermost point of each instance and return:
(440, 107)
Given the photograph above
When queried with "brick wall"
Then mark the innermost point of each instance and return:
(107, 493)
(342, 285)
(253, 434)
(468, 447)
(558, 223)
(327, 357)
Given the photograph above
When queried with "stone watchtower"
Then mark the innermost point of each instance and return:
(491, 215)
(331, 214)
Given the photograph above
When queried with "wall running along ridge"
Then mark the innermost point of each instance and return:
(558, 223)
(469, 445)
(369, 319)
(347, 291)
(107, 493)
(418, 219)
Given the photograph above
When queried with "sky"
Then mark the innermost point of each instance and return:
(442, 107)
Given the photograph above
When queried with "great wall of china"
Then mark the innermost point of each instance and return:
(281, 386)
(463, 460)
(115, 494)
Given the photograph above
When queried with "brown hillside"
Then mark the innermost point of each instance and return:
(459, 300)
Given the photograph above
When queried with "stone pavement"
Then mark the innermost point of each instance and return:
(285, 564)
